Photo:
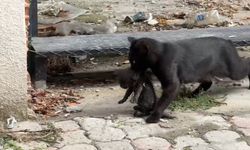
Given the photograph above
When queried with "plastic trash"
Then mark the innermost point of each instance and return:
(138, 17)
(11, 122)
(204, 18)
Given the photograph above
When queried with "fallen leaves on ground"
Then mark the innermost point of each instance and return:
(50, 103)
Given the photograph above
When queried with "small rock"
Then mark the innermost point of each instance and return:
(79, 147)
(164, 125)
(117, 63)
(27, 126)
(97, 90)
(153, 143)
(68, 125)
(66, 115)
(73, 109)
(163, 120)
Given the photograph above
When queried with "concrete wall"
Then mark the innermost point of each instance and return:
(13, 50)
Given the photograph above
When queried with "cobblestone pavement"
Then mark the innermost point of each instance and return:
(226, 127)
(190, 130)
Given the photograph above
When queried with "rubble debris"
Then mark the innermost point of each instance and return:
(105, 28)
(49, 103)
(51, 8)
(73, 27)
(51, 12)
(204, 18)
(80, 28)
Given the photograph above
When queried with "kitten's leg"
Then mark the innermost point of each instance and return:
(127, 94)
(137, 93)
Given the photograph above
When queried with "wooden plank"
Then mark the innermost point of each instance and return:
(105, 42)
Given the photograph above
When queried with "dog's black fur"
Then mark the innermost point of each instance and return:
(144, 93)
(186, 61)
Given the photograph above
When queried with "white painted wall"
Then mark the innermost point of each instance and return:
(13, 50)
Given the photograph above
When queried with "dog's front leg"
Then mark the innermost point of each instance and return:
(169, 93)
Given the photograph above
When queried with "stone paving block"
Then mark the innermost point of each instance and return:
(52, 148)
(106, 134)
(92, 123)
(115, 145)
(241, 122)
(27, 125)
(129, 121)
(68, 125)
(139, 131)
(184, 141)
(231, 146)
(79, 147)
(217, 120)
(201, 147)
(74, 137)
(151, 143)
(245, 132)
(222, 136)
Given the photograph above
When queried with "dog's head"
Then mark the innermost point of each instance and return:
(142, 53)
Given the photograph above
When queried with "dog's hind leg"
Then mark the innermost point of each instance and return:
(204, 86)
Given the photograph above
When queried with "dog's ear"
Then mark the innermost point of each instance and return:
(131, 39)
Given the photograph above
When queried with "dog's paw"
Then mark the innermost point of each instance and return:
(153, 118)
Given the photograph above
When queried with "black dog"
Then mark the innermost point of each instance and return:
(186, 61)
(143, 89)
